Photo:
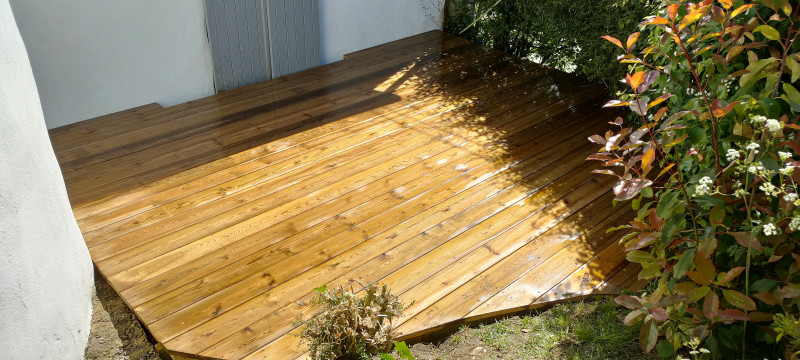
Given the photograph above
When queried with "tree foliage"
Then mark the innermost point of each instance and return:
(564, 34)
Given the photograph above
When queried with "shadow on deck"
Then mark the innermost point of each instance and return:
(453, 173)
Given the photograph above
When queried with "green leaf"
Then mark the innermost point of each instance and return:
(794, 68)
(665, 349)
(763, 285)
(739, 300)
(697, 134)
(387, 357)
(769, 32)
(755, 69)
(638, 256)
(321, 289)
(648, 335)
(709, 201)
(684, 263)
(633, 317)
(717, 215)
(649, 271)
(403, 349)
(667, 204)
(792, 94)
(647, 192)
(673, 224)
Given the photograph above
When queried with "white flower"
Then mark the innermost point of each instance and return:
(773, 125)
(784, 155)
(704, 188)
(788, 170)
(758, 119)
(755, 168)
(769, 189)
(790, 197)
(770, 229)
(733, 155)
(753, 147)
(794, 224)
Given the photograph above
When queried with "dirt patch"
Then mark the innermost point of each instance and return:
(116, 332)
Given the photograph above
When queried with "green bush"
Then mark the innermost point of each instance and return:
(351, 327)
(711, 171)
(565, 34)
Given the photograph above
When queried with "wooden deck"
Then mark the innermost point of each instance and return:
(451, 172)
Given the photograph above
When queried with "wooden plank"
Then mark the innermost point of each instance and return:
(149, 156)
(187, 115)
(459, 180)
(161, 282)
(358, 255)
(354, 152)
(568, 244)
(285, 156)
(74, 135)
(530, 287)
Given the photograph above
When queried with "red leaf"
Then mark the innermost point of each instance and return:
(733, 314)
(672, 11)
(648, 336)
(658, 314)
(636, 79)
(711, 305)
(647, 159)
(655, 21)
(631, 42)
(698, 278)
(731, 274)
(613, 103)
(628, 301)
(627, 189)
(707, 246)
(790, 291)
(767, 298)
(613, 41)
(747, 240)
(597, 139)
(649, 78)
(655, 221)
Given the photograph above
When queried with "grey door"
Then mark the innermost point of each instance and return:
(255, 40)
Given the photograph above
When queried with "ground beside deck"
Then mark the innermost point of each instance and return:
(452, 173)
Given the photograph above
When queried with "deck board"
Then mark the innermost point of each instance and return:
(453, 173)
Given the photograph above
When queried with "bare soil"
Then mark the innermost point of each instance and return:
(116, 332)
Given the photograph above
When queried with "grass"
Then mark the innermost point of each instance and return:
(589, 329)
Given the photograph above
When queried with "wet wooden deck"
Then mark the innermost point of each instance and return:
(453, 173)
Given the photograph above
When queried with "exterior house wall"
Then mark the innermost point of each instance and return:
(45, 270)
(94, 57)
(351, 25)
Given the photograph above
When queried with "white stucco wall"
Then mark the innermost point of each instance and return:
(351, 25)
(94, 57)
(45, 270)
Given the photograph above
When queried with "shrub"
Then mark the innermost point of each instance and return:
(711, 172)
(564, 34)
(349, 326)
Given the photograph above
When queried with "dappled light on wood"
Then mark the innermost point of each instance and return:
(454, 174)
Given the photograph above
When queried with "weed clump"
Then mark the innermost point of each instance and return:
(351, 326)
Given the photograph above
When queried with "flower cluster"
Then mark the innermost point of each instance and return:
(704, 187)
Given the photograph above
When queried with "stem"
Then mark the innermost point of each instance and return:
(786, 46)
(705, 96)
(672, 170)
